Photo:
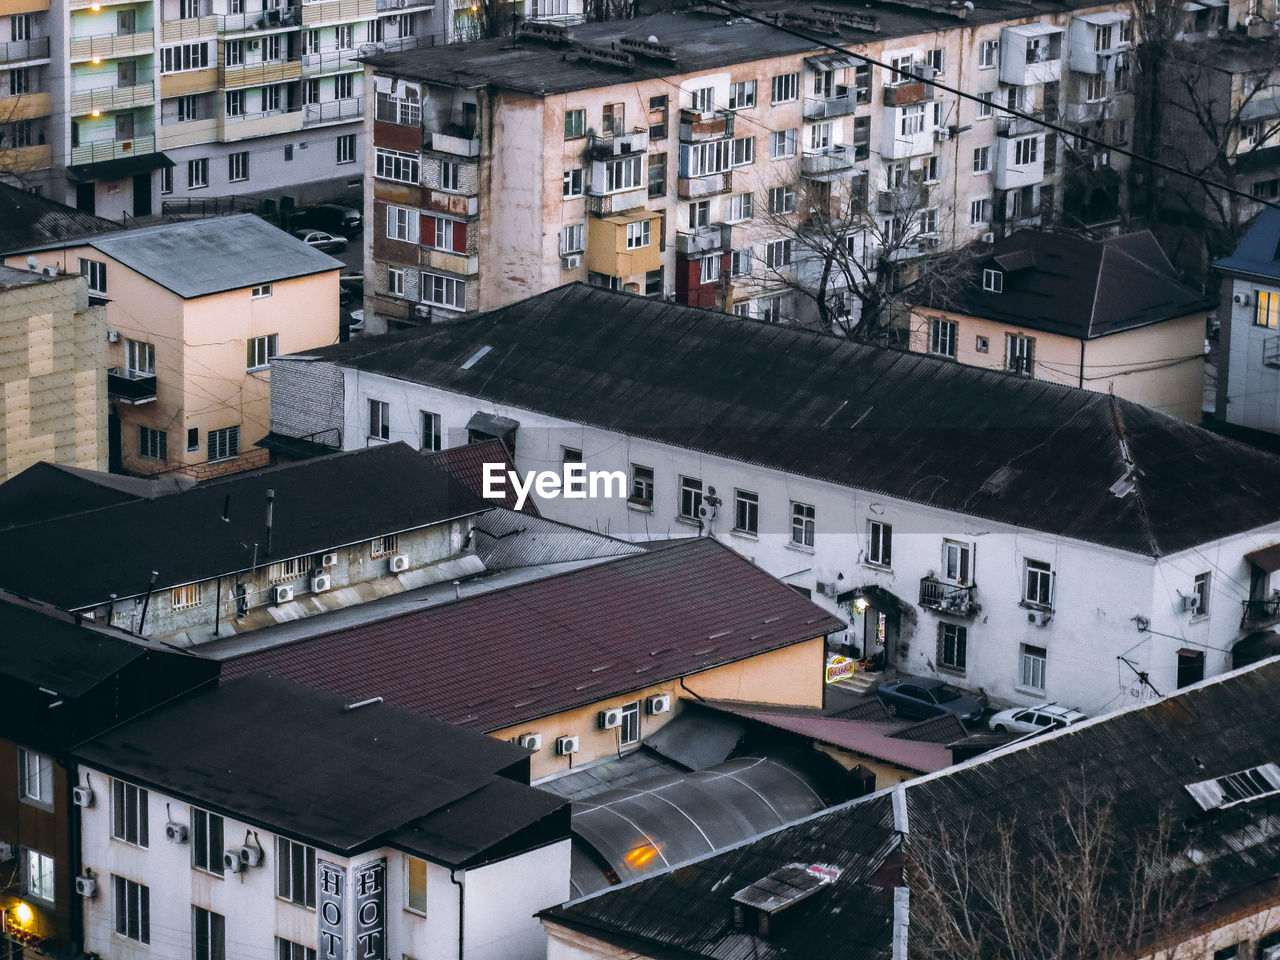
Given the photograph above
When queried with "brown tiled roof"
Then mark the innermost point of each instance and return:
(535, 649)
(466, 465)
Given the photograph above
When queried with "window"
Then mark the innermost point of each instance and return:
(20, 27)
(415, 885)
(740, 207)
(379, 420)
(880, 543)
(238, 166)
(641, 485)
(613, 119)
(1018, 354)
(638, 234)
(1033, 664)
(952, 640)
(956, 562)
(912, 121)
(1266, 313)
(1014, 97)
(402, 224)
(224, 444)
(820, 136)
(288, 950)
(166, 179)
(742, 151)
(188, 108)
(740, 262)
(770, 309)
(96, 273)
(932, 170)
(803, 523)
(187, 596)
(128, 813)
(270, 99)
(261, 292)
(862, 82)
(629, 732)
(1095, 87)
(344, 86)
(133, 909)
(397, 166)
(345, 36)
(987, 53)
(702, 159)
(35, 777)
(980, 211)
(690, 497)
(233, 53)
(571, 455)
(699, 214)
(296, 872)
(1200, 590)
(443, 291)
(261, 350)
(984, 108)
(383, 546)
(450, 176)
(235, 104)
(575, 124)
(208, 935)
(657, 174)
(1102, 37)
(1039, 584)
(992, 281)
(653, 283)
(573, 182)
(285, 571)
(777, 253)
(430, 424)
(152, 444)
(139, 358)
(37, 875)
(442, 233)
(347, 148)
(395, 281)
(193, 439)
(623, 174)
(206, 841)
(982, 160)
(782, 199)
(198, 173)
(742, 94)
(937, 58)
(188, 56)
(1227, 953)
(782, 143)
(786, 87)
(571, 238)
(703, 99)
(709, 271)
(942, 338)
(1024, 151)
(981, 344)
(746, 512)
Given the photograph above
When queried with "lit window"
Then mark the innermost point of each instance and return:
(415, 884)
(187, 596)
(1267, 312)
(37, 875)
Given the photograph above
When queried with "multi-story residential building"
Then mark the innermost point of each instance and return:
(1249, 365)
(1025, 537)
(263, 818)
(252, 550)
(194, 313)
(1106, 315)
(32, 81)
(62, 681)
(683, 155)
(53, 363)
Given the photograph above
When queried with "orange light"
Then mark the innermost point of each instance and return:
(95, 113)
(96, 60)
(638, 857)
(23, 914)
(95, 7)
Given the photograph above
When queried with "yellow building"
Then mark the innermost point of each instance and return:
(194, 312)
(53, 352)
(1110, 316)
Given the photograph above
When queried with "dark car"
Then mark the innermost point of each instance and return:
(923, 697)
(328, 216)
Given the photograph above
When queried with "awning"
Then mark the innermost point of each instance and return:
(877, 597)
(120, 167)
(492, 425)
(1260, 108)
(832, 61)
(130, 389)
(1035, 29)
(1255, 647)
(1268, 558)
(1016, 260)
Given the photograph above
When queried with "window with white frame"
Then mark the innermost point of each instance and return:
(235, 103)
(932, 169)
(641, 485)
(415, 885)
(957, 562)
(262, 291)
(224, 444)
(95, 271)
(395, 281)
(912, 120)
(625, 173)
(271, 99)
(572, 238)
(397, 166)
(1037, 583)
(443, 291)
(153, 444)
(139, 358)
(929, 221)
(1200, 591)
(992, 280)
(771, 308)
(699, 214)
(379, 420)
(988, 54)
(208, 935)
(782, 199)
(261, 350)
(402, 224)
(1034, 660)
(188, 56)
(198, 173)
(742, 151)
(206, 841)
(430, 430)
(690, 497)
(572, 183)
(129, 813)
(879, 543)
(981, 160)
(782, 143)
(740, 262)
(451, 176)
(953, 641)
(985, 110)
(1095, 87)
(942, 337)
(1024, 151)
(37, 875)
(35, 777)
(937, 58)
(742, 94)
(980, 211)
(288, 950)
(238, 166)
(777, 253)
(739, 207)
(186, 597)
(820, 136)
(803, 524)
(703, 159)
(709, 270)
(575, 124)
(1019, 354)
(786, 87)
(638, 234)
(295, 872)
(132, 909)
(629, 731)
(347, 148)
(703, 100)
(746, 512)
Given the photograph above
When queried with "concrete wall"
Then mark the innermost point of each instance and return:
(502, 898)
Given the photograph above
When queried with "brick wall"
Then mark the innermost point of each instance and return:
(307, 400)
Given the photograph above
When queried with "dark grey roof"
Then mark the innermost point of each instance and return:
(639, 765)
(195, 258)
(47, 490)
(291, 758)
(30, 222)
(1077, 287)
(905, 425)
(505, 539)
(80, 560)
(1259, 252)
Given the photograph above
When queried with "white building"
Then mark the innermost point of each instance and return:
(265, 819)
(1249, 393)
(1026, 538)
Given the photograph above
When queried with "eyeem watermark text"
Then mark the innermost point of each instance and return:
(573, 482)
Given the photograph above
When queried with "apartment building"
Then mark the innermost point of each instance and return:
(1249, 376)
(680, 155)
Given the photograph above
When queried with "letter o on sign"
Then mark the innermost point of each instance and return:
(331, 913)
(369, 913)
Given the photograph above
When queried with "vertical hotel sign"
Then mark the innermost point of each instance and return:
(352, 917)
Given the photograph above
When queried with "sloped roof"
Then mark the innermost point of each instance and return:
(904, 425)
(47, 490)
(466, 464)
(80, 560)
(1259, 252)
(1077, 287)
(31, 222)
(196, 258)
(538, 648)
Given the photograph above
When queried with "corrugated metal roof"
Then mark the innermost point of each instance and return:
(1259, 252)
(505, 539)
(30, 222)
(467, 462)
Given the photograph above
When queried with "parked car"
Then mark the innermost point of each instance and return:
(1043, 716)
(924, 697)
(326, 242)
(328, 216)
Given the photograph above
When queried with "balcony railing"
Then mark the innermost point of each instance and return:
(446, 143)
(384, 5)
(1271, 351)
(909, 91)
(715, 238)
(16, 51)
(948, 597)
(130, 388)
(690, 188)
(112, 98)
(606, 205)
(330, 60)
(109, 45)
(820, 108)
(906, 198)
(260, 20)
(99, 150)
(1007, 126)
(618, 144)
(1260, 613)
(345, 109)
(259, 74)
(826, 163)
(696, 127)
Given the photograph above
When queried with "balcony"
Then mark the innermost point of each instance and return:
(691, 188)
(112, 98)
(24, 51)
(609, 145)
(624, 246)
(696, 127)
(948, 597)
(189, 28)
(259, 20)
(1271, 352)
(9, 8)
(826, 164)
(338, 11)
(259, 74)
(25, 106)
(1031, 54)
(350, 108)
(261, 124)
(331, 61)
(910, 91)
(27, 159)
(403, 6)
(1085, 112)
(606, 205)
(112, 149)
(1007, 126)
(1018, 162)
(131, 389)
(454, 204)
(113, 45)
(189, 82)
(447, 143)
(184, 134)
(715, 238)
(457, 263)
(907, 198)
(818, 108)
(1260, 613)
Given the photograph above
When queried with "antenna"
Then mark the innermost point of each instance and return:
(271, 506)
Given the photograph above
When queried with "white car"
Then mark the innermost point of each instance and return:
(1043, 716)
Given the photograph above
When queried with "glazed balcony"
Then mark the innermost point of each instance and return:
(696, 127)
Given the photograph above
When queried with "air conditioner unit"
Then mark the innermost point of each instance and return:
(321, 582)
(252, 44)
(250, 856)
(1039, 617)
(282, 594)
(566, 746)
(87, 887)
(571, 261)
(329, 560)
(113, 336)
(706, 512)
(659, 703)
(400, 563)
(82, 796)
(530, 741)
(402, 3)
(827, 588)
(1190, 604)
(942, 133)
(422, 310)
(1241, 298)
(49, 271)
(6, 852)
(231, 861)
(610, 719)
(988, 238)
(175, 832)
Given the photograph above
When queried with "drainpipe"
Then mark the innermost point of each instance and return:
(1081, 383)
(462, 902)
(146, 604)
(217, 606)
